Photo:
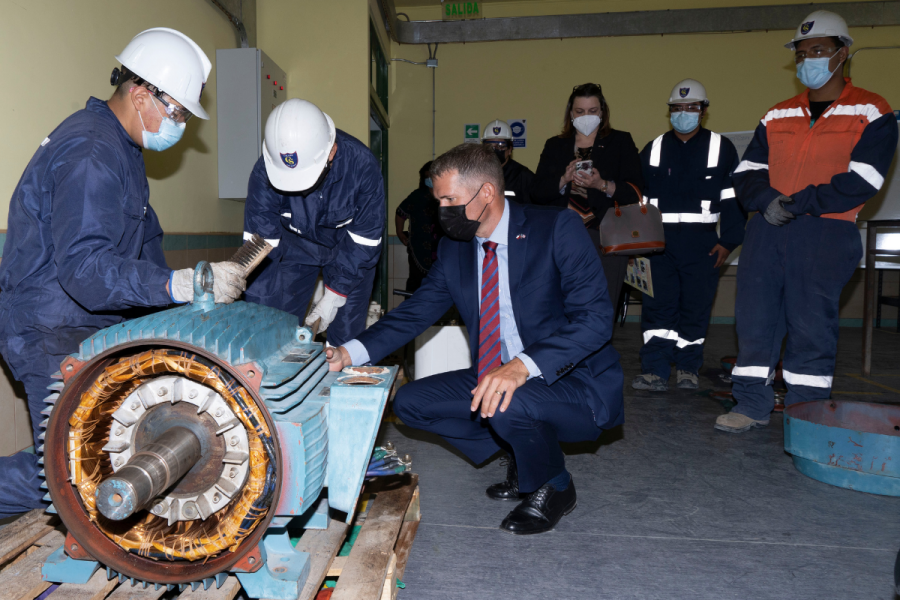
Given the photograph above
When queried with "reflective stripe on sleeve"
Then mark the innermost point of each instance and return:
(869, 111)
(819, 381)
(727, 193)
(714, 142)
(747, 165)
(655, 151)
(273, 243)
(761, 372)
(867, 172)
(363, 241)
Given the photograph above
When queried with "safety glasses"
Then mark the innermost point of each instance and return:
(176, 112)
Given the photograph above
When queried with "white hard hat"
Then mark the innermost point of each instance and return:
(821, 23)
(687, 91)
(497, 130)
(172, 62)
(299, 138)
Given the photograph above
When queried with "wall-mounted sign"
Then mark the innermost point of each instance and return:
(519, 132)
(461, 10)
(471, 134)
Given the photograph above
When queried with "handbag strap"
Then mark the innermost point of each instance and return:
(640, 200)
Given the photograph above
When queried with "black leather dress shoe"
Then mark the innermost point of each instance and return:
(509, 489)
(541, 510)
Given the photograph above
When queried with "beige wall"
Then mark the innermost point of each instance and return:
(745, 74)
(324, 48)
(57, 53)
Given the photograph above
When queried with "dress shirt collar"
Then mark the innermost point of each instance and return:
(501, 231)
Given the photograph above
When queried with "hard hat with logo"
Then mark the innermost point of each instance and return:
(688, 91)
(170, 61)
(298, 141)
(821, 23)
(497, 130)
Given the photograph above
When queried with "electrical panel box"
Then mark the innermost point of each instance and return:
(248, 86)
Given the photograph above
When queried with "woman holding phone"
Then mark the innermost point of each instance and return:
(589, 167)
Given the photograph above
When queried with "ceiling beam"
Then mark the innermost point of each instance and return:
(651, 22)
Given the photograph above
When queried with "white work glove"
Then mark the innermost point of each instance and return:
(326, 310)
(228, 283)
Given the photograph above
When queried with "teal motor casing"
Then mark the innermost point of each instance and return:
(325, 424)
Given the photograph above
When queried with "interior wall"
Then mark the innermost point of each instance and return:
(324, 48)
(59, 53)
(744, 73)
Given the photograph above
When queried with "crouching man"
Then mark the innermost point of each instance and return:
(530, 288)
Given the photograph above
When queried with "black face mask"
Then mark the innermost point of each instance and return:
(319, 181)
(456, 224)
(501, 156)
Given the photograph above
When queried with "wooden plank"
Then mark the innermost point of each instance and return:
(322, 545)
(389, 590)
(371, 554)
(96, 588)
(337, 566)
(228, 591)
(22, 580)
(404, 545)
(23, 532)
(126, 592)
(408, 533)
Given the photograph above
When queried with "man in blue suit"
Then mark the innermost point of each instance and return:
(533, 296)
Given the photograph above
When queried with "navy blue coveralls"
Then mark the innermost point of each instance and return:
(337, 228)
(790, 278)
(690, 182)
(82, 246)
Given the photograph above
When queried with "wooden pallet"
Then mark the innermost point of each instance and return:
(376, 561)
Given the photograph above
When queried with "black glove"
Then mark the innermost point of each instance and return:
(776, 214)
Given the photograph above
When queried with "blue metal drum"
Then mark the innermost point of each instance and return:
(854, 445)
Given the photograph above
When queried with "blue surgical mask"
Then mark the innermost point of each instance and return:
(814, 73)
(685, 122)
(168, 135)
(428, 182)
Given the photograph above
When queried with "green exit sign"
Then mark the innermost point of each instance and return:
(461, 10)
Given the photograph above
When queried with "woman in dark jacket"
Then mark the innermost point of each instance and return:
(587, 135)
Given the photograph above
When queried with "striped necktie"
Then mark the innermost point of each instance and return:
(489, 328)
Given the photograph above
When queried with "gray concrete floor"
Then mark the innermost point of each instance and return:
(667, 506)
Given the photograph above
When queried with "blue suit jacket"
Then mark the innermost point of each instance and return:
(559, 298)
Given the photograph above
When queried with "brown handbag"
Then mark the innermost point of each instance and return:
(632, 229)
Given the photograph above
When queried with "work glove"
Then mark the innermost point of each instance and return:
(326, 310)
(776, 214)
(228, 283)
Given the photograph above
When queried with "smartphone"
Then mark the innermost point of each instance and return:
(584, 165)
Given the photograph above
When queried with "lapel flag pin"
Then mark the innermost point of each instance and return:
(521, 236)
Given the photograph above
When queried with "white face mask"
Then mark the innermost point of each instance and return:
(586, 124)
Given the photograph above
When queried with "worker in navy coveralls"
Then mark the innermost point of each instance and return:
(317, 195)
(530, 288)
(687, 175)
(83, 243)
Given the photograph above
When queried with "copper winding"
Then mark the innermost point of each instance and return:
(149, 535)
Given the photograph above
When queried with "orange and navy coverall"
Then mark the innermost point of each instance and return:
(790, 278)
